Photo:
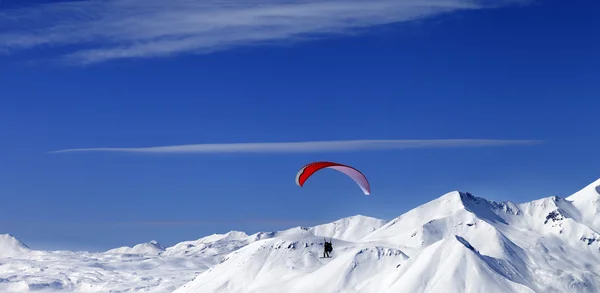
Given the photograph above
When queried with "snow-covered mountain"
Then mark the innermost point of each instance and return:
(455, 243)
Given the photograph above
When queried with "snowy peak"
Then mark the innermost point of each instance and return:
(547, 210)
(349, 229)
(151, 248)
(441, 207)
(537, 214)
(232, 235)
(229, 236)
(454, 211)
(455, 201)
(154, 244)
(11, 246)
(211, 246)
(452, 200)
(587, 203)
(10, 240)
(590, 192)
(487, 210)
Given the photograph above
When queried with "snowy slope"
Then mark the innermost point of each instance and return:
(455, 243)
(66, 271)
(452, 265)
(146, 267)
(11, 246)
(283, 265)
(350, 229)
(152, 247)
(587, 202)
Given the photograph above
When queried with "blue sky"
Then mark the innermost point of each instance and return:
(81, 75)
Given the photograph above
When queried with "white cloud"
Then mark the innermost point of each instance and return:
(314, 146)
(96, 31)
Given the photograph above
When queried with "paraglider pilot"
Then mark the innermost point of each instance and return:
(328, 248)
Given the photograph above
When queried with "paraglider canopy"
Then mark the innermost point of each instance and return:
(353, 173)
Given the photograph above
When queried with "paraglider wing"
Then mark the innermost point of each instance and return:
(351, 172)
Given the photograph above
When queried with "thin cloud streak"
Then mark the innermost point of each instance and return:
(95, 31)
(222, 222)
(157, 223)
(315, 146)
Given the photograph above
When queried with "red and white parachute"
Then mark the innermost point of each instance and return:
(353, 173)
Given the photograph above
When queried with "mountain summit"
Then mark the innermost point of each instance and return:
(11, 246)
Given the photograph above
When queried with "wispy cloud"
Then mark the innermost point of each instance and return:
(94, 31)
(220, 222)
(159, 222)
(314, 146)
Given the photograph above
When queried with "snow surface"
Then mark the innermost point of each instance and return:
(455, 243)
(146, 267)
